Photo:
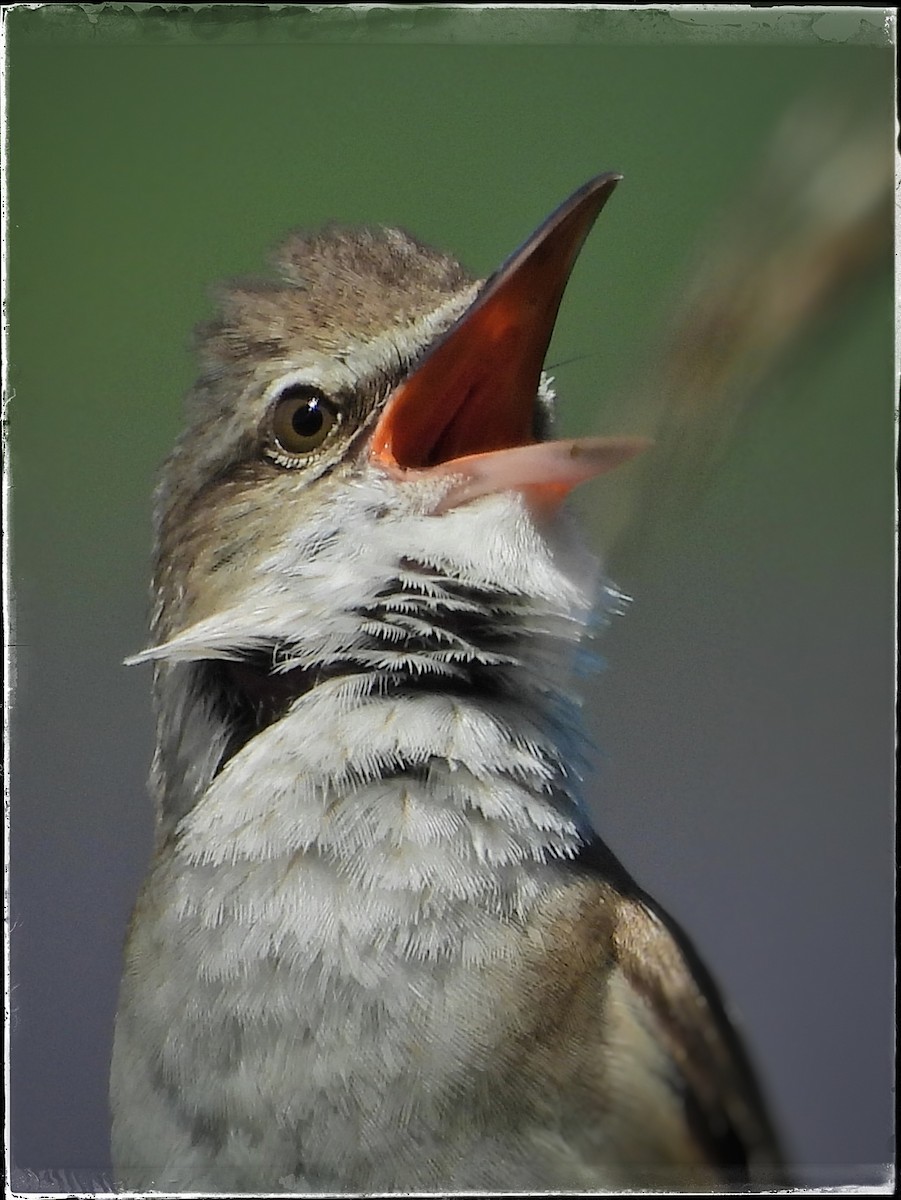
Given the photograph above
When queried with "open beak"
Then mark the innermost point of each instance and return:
(468, 409)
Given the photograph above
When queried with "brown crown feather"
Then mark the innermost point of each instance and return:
(334, 287)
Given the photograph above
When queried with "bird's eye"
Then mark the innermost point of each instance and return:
(301, 420)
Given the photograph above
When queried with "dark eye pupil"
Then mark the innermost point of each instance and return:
(307, 420)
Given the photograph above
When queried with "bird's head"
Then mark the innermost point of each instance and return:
(365, 483)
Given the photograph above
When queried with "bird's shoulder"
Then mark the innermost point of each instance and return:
(634, 998)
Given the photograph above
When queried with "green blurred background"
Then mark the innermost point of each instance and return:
(745, 716)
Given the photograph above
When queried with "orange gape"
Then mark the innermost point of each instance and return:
(468, 409)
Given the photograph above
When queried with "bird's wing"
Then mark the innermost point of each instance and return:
(723, 1106)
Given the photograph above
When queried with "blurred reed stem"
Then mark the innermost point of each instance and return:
(811, 226)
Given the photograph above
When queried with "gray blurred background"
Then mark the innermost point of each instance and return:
(735, 300)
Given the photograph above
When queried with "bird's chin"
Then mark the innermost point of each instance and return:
(348, 598)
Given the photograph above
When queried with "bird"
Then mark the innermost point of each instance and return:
(381, 945)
